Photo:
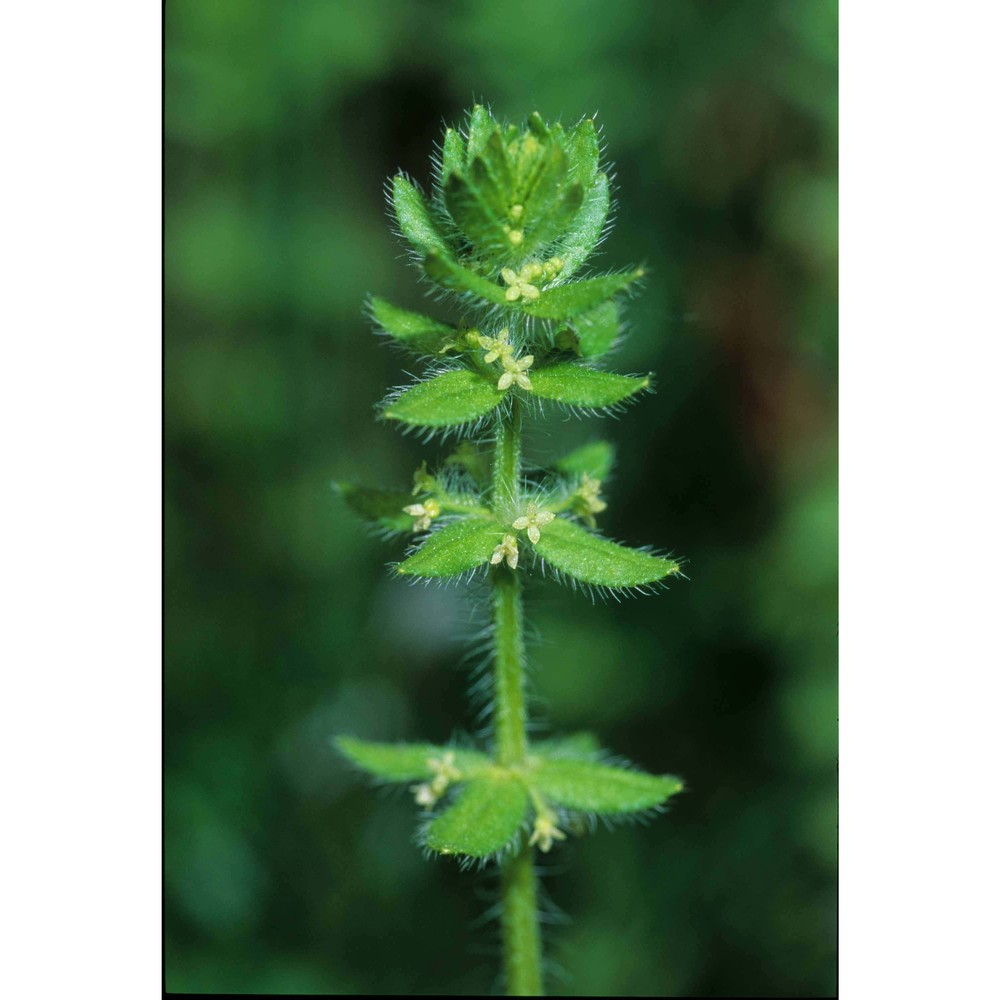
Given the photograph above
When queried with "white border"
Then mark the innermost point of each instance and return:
(80, 413)
(919, 333)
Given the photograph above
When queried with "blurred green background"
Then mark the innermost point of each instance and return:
(283, 872)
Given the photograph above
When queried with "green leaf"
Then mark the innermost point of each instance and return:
(555, 220)
(596, 330)
(382, 507)
(484, 820)
(414, 218)
(595, 459)
(481, 127)
(406, 761)
(447, 400)
(591, 559)
(599, 788)
(453, 276)
(412, 329)
(452, 154)
(541, 186)
(491, 192)
(574, 385)
(497, 162)
(585, 233)
(453, 549)
(584, 152)
(569, 300)
(474, 214)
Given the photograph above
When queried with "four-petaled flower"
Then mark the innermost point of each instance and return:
(533, 519)
(514, 371)
(520, 282)
(545, 832)
(424, 513)
(507, 549)
(498, 347)
(587, 501)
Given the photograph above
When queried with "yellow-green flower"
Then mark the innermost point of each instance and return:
(514, 371)
(423, 513)
(587, 501)
(533, 519)
(507, 549)
(545, 832)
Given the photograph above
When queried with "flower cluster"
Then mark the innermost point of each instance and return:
(499, 348)
(444, 771)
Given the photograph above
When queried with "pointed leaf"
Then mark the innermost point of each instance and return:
(473, 213)
(584, 152)
(496, 158)
(569, 300)
(454, 549)
(595, 459)
(453, 276)
(407, 761)
(490, 190)
(585, 233)
(596, 330)
(598, 561)
(452, 154)
(481, 127)
(599, 788)
(415, 330)
(574, 385)
(484, 820)
(542, 186)
(414, 218)
(447, 400)
(555, 221)
(381, 507)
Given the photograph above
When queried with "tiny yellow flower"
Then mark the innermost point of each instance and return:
(552, 267)
(533, 519)
(507, 549)
(498, 347)
(424, 796)
(545, 832)
(423, 513)
(520, 283)
(444, 771)
(444, 766)
(514, 371)
(587, 502)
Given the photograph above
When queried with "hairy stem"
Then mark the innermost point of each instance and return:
(519, 920)
(509, 713)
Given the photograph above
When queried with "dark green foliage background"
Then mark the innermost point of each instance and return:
(283, 872)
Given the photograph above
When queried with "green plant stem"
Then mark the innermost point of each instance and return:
(519, 922)
(519, 919)
(509, 713)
